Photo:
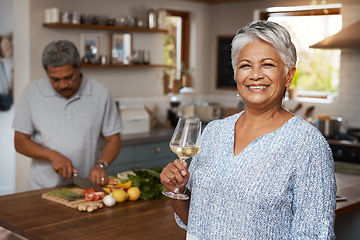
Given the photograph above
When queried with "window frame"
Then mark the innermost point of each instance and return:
(185, 35)
(265, 14)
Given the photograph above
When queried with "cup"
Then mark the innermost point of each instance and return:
(55, 15)
(47, 15)
(75, 18)
(146, 58)
(65, 17)
(104, 60)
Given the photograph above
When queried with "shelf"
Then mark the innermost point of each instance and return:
(124, 66)
(103, 27)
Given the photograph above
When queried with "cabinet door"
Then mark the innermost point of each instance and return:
(154, 154)
(125, 161)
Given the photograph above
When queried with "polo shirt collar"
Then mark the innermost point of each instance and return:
(84, 90)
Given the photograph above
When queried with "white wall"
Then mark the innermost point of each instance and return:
(7, 152)
(21, 13)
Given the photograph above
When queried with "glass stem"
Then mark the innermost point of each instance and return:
(176, 190)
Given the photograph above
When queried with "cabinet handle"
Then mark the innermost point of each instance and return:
(156, 150)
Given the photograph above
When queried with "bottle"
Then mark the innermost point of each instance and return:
(161, 18)
(152, 19)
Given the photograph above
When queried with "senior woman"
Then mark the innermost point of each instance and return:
(262, 173)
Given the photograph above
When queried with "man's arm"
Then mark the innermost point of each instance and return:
(25, 145)
(110, 151)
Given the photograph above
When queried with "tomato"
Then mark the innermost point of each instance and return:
(90, 196)
(100, 194)
(112, 181)
(96, 197)
(89, 190)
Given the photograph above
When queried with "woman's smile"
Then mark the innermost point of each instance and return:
(257, 87)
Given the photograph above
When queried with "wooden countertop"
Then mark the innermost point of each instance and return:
(33, 217)
(349, 187)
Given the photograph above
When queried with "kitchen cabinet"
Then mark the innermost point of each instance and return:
(142, 156)
(110, 29)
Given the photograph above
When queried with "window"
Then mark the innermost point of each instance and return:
(176, 41)
(317, 75)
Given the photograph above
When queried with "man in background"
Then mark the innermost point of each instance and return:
(66, 122)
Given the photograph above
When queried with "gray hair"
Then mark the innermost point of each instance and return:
(60, 53)
(270, 32)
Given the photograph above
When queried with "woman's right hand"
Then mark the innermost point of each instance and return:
(175, 173)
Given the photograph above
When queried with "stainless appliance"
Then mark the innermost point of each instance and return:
(329, 127)
(207, 111)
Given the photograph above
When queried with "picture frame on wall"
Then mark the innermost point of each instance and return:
(121, 48)
(90, 46)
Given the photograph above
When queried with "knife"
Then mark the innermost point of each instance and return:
(85, 183)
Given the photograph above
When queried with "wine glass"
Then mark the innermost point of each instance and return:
(184, 143)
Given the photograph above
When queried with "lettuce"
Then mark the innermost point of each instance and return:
(148, 181)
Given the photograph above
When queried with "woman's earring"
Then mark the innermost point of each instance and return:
(238, 96)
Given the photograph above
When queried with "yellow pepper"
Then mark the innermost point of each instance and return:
(106, 189)
(124, 185)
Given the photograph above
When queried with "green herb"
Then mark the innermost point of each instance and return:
(67, 194)
(148, 181)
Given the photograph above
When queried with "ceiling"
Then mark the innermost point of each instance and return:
(217, 1)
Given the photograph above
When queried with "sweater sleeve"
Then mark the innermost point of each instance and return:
(314, 193)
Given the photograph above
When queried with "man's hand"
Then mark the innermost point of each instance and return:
(25, 145)
(61, 165)
(109, 153)
(98, 175)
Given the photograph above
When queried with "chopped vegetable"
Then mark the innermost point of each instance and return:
(92, 195)
(67, 194)
(148, 181)
(124, 185)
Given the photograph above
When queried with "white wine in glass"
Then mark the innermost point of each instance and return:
(184, 143)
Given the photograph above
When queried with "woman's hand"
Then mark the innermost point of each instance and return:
(175, 173)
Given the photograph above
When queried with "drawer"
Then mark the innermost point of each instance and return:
(153, 151)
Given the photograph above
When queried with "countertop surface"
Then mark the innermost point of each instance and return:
(345, 143)
(33, 217)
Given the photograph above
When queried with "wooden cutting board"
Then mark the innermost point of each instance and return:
(71, 204)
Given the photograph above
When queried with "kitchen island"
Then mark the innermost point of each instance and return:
(29, 215)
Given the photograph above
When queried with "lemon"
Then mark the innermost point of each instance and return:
(120, 195)
(134, 193)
